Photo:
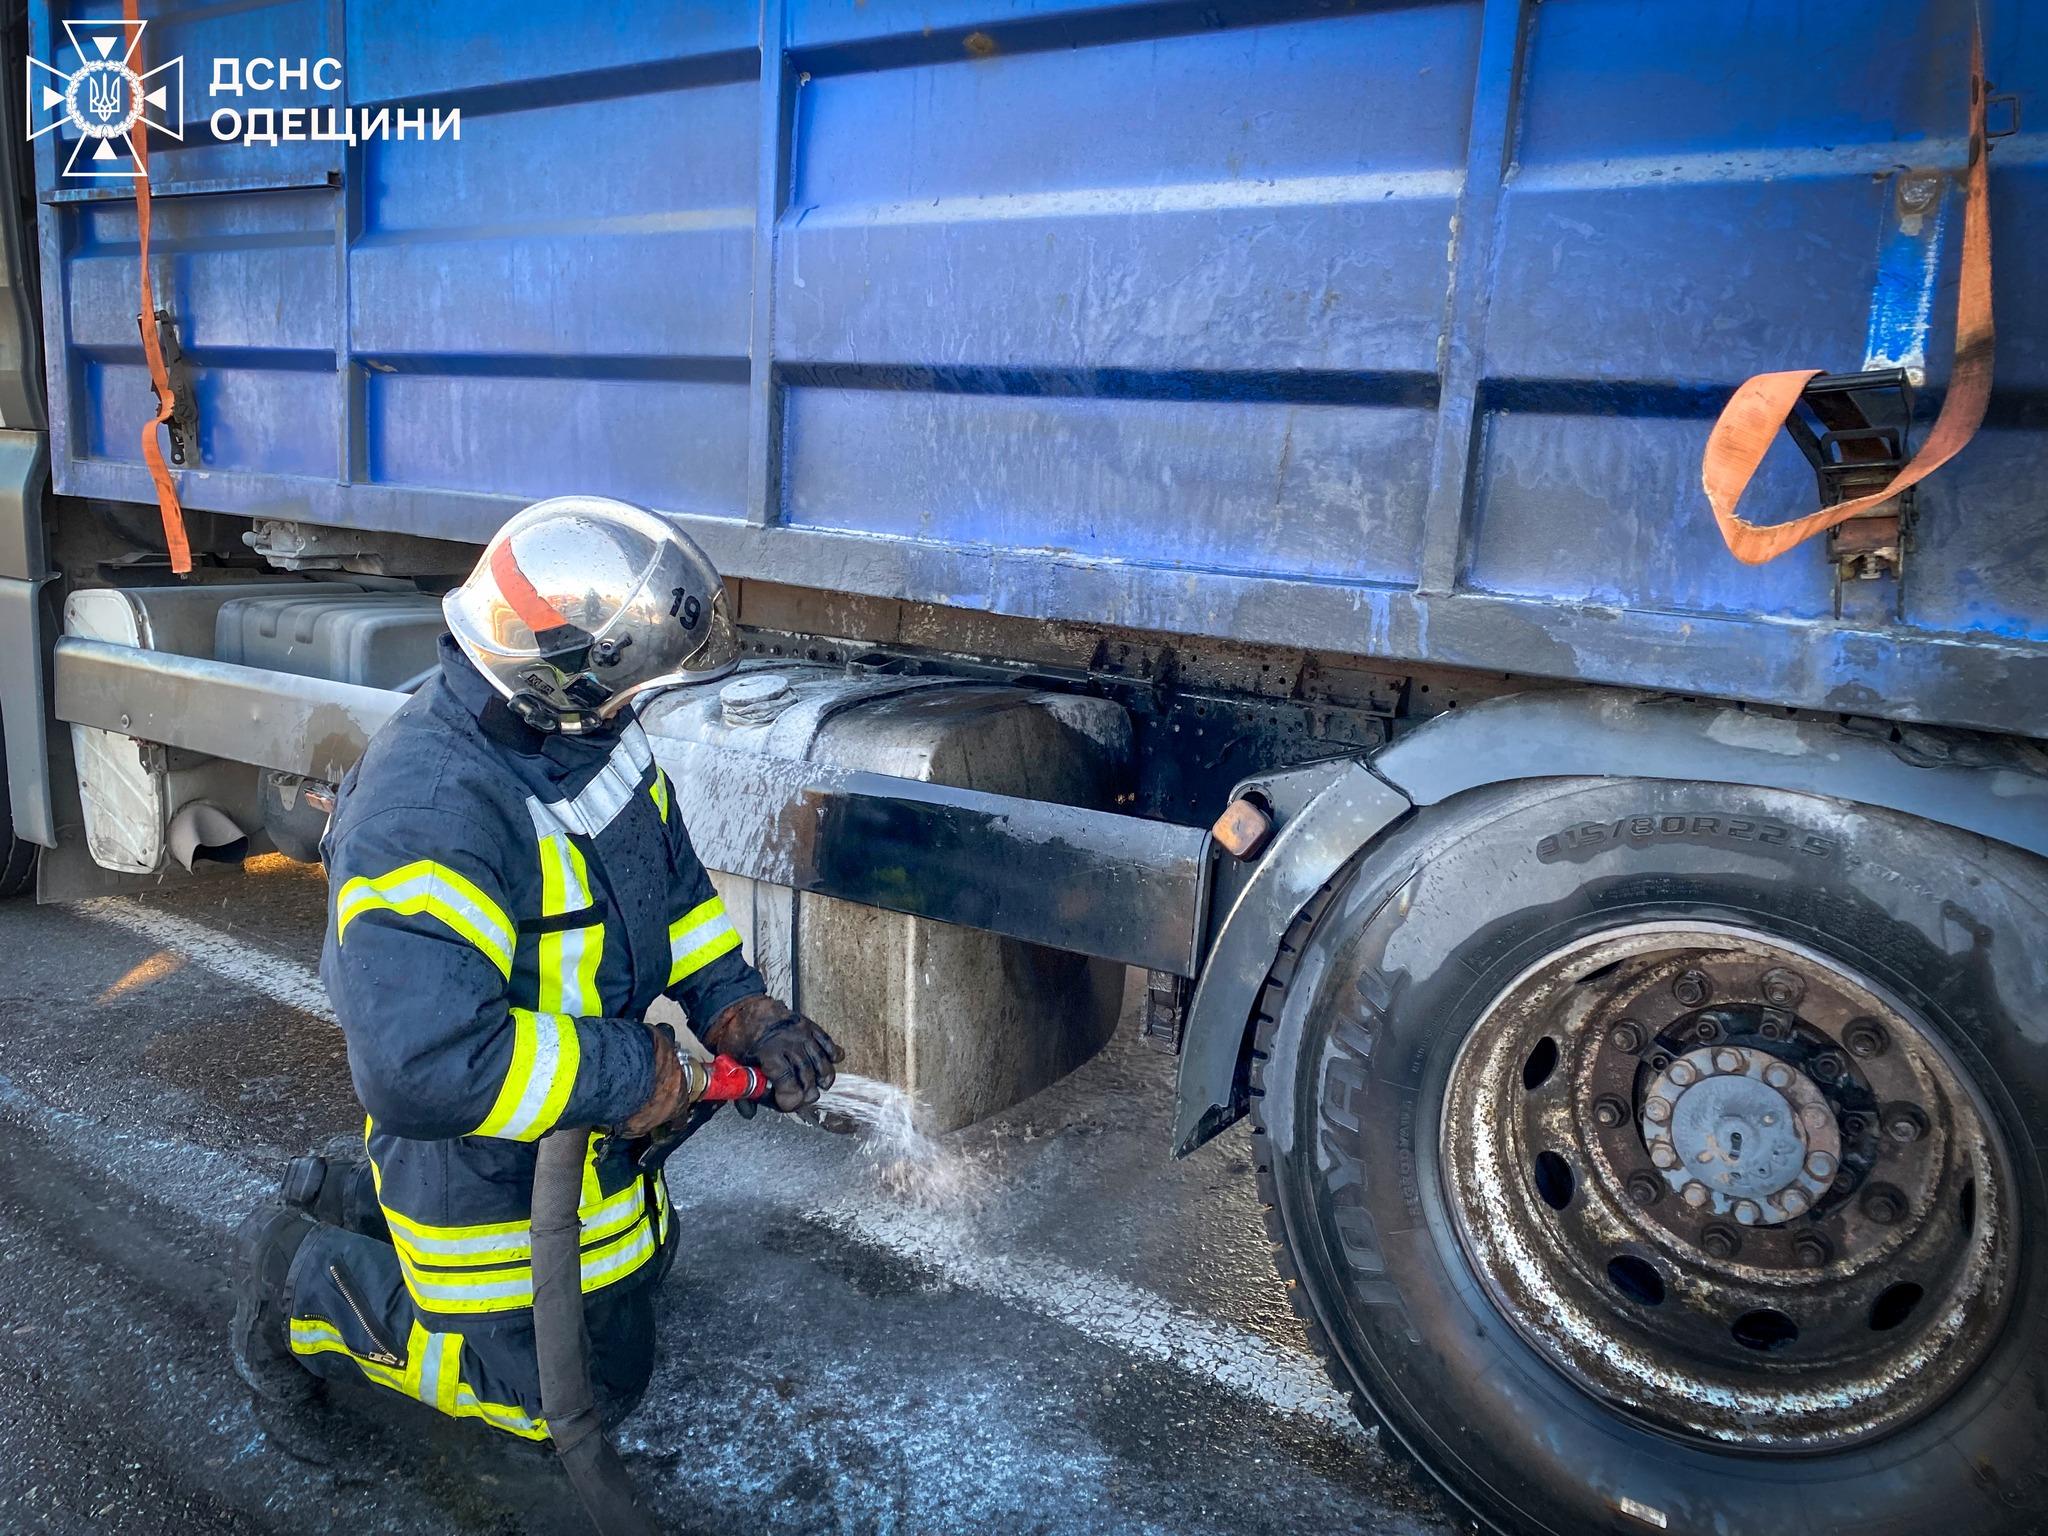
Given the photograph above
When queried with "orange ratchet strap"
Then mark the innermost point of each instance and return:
(152, 347)
(1751, 419)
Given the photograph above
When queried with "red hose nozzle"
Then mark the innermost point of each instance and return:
(726, 1080)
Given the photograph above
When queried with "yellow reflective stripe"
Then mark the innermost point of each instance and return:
(498, 1415)
(613, 1214)
(494, 1244)
(510, 1289)
(469, 1290)
(440, 893)
(564, 873)
(567, 964)
(459, 1244)
(309, 1336)
(699, 937)
(545, 1055)
(696, 959)
(659, 789)
(478, 1250)
(418, 1354)
(616, 1260)
(432, 1375)
(449, 1380)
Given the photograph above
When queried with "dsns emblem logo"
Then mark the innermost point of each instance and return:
(103, 97)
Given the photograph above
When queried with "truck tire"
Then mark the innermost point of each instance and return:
(1668, 1157)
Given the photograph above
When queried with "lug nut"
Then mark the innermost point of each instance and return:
(1883, 1204)
(1854, 1126)
(1646, 1188)
(1827, 1066)
(1814, 1117)
(1695, 1194)
(1793, 1202)
(1682, 1074)
(1664, 1155)
(1748, 1212)
(1691, 988)
(1627, 1036)
(1708, 1029)
(1810, 1249)
(1866, 1038)
(1728, 1061)
(1905, 1125)
(1821, 1165)
(1720, 1243)
(1783, 989)
(1609, 1113)
(1657, 1110)
(1778, 1076)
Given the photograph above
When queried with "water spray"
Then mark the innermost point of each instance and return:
(913, 1166)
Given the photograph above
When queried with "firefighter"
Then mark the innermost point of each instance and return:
(512, 887)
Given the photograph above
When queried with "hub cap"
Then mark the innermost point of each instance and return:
(1729, 1187)
(1739, 1132)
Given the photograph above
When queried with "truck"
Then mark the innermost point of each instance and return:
(1239, 491)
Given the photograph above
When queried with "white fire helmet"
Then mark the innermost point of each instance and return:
(581, 603)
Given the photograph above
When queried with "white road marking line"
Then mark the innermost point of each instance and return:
(236, 960)
(1111, 1312)
(214, 1188)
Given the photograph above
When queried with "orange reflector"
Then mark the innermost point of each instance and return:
(1243, 828)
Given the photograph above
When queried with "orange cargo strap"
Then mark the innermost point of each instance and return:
(152, 346)
(1751, 419)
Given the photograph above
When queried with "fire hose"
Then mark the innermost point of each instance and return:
(561, 1341)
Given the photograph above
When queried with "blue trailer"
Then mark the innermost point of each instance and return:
(1630, 956)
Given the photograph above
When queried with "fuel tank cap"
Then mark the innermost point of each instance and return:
(755, 699)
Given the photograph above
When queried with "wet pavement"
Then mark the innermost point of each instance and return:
(1101, 1346)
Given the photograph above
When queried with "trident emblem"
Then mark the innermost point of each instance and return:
(104, 96)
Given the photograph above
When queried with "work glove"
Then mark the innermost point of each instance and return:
(785, 1047)
(666, 1101)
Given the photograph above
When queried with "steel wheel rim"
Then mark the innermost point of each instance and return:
(1776, 1277)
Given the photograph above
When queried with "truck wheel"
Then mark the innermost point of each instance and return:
(1668, 1157)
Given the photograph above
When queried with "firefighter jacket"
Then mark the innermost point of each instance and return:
(505, 907)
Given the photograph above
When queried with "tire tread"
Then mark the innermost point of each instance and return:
(1267, 1022)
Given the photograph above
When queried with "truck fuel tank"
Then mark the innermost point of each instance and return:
(969, 1021)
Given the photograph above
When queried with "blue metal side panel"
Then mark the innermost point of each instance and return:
(1387, 328)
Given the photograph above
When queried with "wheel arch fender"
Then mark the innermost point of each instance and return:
(1995, 788)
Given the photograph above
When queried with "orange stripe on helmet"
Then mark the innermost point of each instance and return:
(535, 611)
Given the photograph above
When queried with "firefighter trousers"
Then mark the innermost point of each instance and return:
(352, 1317)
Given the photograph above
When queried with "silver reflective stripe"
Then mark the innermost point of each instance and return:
(690, 940)
(602, 1220)
(612, 790)
(430, 1370)
(498, 1248)
(579, 999)
(595, 1275)
(540, 1078)
(428, 1287)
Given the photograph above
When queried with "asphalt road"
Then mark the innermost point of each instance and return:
(1100, 1346)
